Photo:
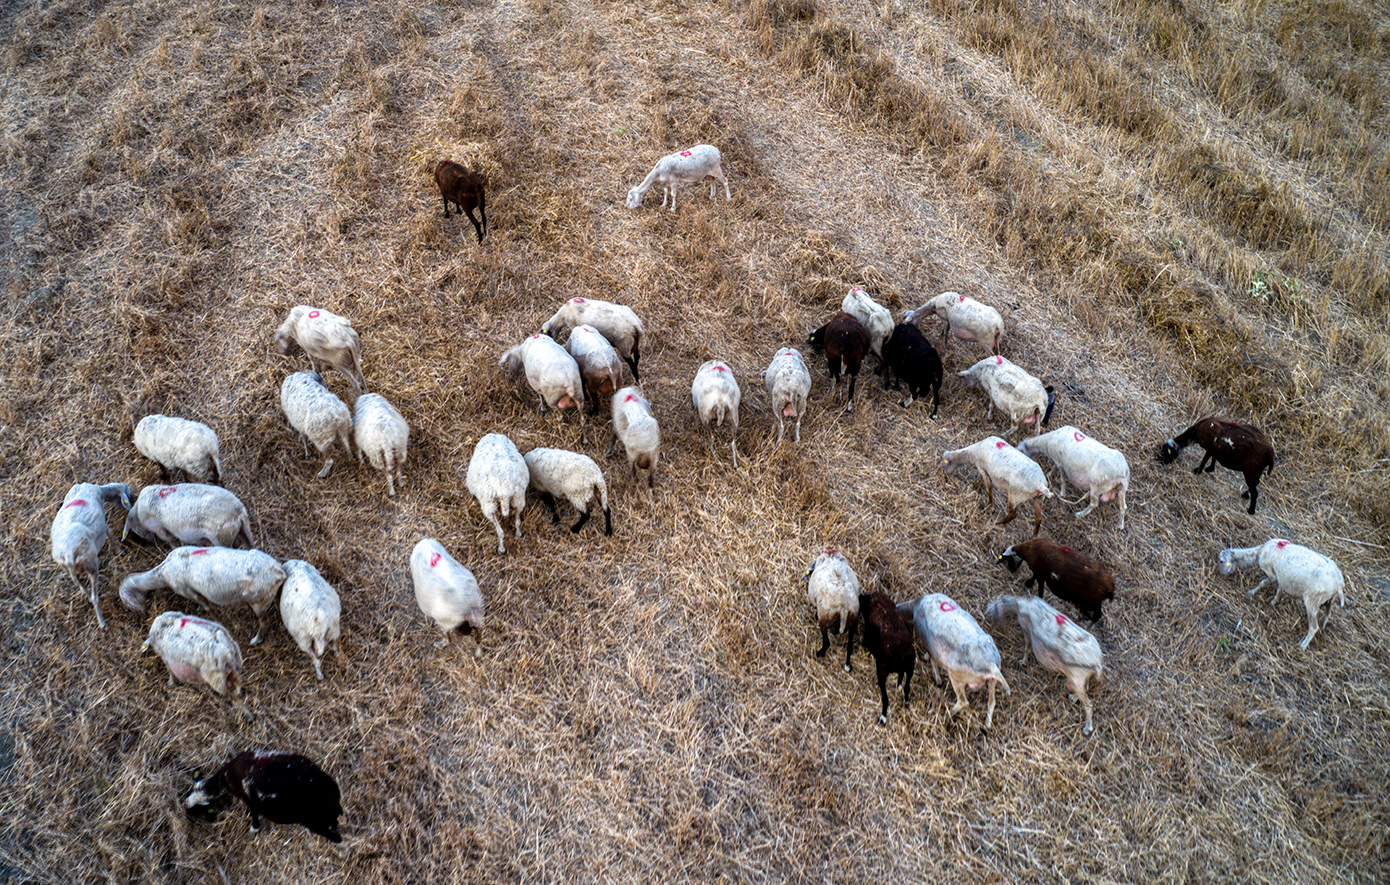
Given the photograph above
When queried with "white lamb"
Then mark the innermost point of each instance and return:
(326, 336)
(967, 318)
(190, 513)
(788, 384)
(1013, 390)
(874, 317)
(957, 644)
(715, 395)
(197, 650)
(833, 589)
(382, 437)
(1059, 644)
(211, 576)
(572, 476)
(180, 444)
(614, 322)
(1005, 467)
(698, 163)
(311, 610)
(317, 413)
(447, 592)
(498, 477)
(549, 370)
(1295, 570)
(599, 364)
(1087, 463)
(79, 532)
(635, 425)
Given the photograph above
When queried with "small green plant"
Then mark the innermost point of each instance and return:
(1272, 287)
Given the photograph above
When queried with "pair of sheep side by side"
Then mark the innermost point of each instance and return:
(1087, 463)
(600, 367)
(79, 532)
(844, 341)
(1003, 466)
(957, 644)
(283, 788)
(619, 325)
(1025, 399)
(464, 188)
(698, 163)
(198, 651)
(180, 444)
(318, 414)
(909, 357)
(1293, 569)
(967, 318)
(1059, 644)
(635, 425)
(1233, 445)
(874, 317)
(211, 576)
(189, 513)
(311, 611)
(833, 588)
(1070, 574)
(788, 384)
(446, 592)
(326, 336)
(557, 473)
(715, 395)
(498, 479)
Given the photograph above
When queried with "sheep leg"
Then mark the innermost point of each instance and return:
(935, 673)
(854, 376)
(612, 445)
(1120, 500)
(1254, 494)
(883, 692)
(1037, 515)
(989, 714)
(849, 650)
(733, 444)
(1202, 465)
(796, 433)
(1010, 517)
(391, 467)
(318, 665)
(935, 400)
(1258, 587)
(328, 465)
(468, 210)
(958, 685)
(824, 642)
(672, 188)
(1311, 607)
(905, 679)
(583, 518)
(1027, 646)
(497, 524)
(101, 622)
(260, 627)
(1078, 689)
(549, 501)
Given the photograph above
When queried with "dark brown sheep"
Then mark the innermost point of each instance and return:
(1231, 444)
(1069, 574)
(888, 637)
(464, 188)
(844, 339)
(281, 787)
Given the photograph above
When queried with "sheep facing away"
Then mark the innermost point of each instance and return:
(788, 384)
(694, 164)
(1059, 644)
(1293, 569)
(311, 611)
(966, 318)
(635, 425)
(572, 476)
(1004, 466)
(1087, 463)
(909, 357)
(446, 592)
(498, 478)
(549, 370)
(844, 340)
(1025, 399)
(464, 188)
(283, 788)
(79, 532)
(180, 444)
(874, 317)
(715, 395)
(1233, 445)
(190, 513)
(316, 413)
(211, 576)
(382, 437)
(833, 588)
(326, 336)
(197, 651)
(616, 323)
(1070, 574)
(888, 637)
(956, 644)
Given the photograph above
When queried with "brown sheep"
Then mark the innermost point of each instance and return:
(464, 188)
(1231, 444)
(1069, 574)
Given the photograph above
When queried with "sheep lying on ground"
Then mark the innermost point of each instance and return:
(283, 788)
(874, 317)
(211, 576)
(599, 364)
(317, 413)
(1231, 444)
(180, 444)
(1069, 574)
(1004, 466)
(190, 513)
(715, 395)
(498, 477)
(1088, 464)
(1293, 569)
(197, 650)
(447, 592)
(843, 339)
(1059, 645)
(1028, 403)
(618, 324)
(635, 425)
(833, 588)
(311, 610)
(79, 532)
(382, 437)
(957, 644)
(574, 477)
(910, 357)
(967, 318)
(464, 188)
(326, 336)
(788, 384)
(888, 638)
(549, 370)
(697, 163)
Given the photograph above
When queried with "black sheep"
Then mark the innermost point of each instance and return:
(1069, 574)
(910, 357)
(888, 637)
(464, 188)
(281, 787)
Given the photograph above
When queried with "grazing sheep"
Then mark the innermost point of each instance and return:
(198, 651)
(888, 638)
(1068, 573)
(179, 444)
(911, 358)
(788, 384)
(967, 318)
(874, 317)
(382, 437)
(698, 163)
(715, 395)
(317, 413)
(635, 425)
(464, 188)
(1004, 466)
(1087, 463)
(1059, 644)
(79, 532)
(599, 364)
(549, 370)
(211, 576)
(1231, 444)
(956, 643)
(572, 476)
(833, 588)
(618, 324)
(1013, 390)
(311, 610)
(1295, 570)
(842, 339)
(447, 592)
(283, 788)
(497, 477)
(324, 335)
(190, 513)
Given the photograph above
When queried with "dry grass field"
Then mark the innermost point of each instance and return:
(1179, 207)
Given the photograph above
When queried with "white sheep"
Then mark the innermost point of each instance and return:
(967, 318)
(874, 317)
(79, 532)
(697, 163)
(1089, 465)
(190, 513)
(549, 370)
(788, 384)
(572, 476)
(180, 444)
(326, 336)
(614, 322)
(317, 413)
(447, 592)
(1003, 466)
(211, 576)
(382, 437)
(1058, 643)
(1013, 390)
(715, 395)
(311, 611)
(599, 363)
(197, 650)
(1295, 570)
(956, 643)
(635, 425)
(498, 477)
(833, 588)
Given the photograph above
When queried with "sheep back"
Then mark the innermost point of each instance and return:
(197, 651)
(316, 411)
(310, 609)
(178, 443)
(190, 513)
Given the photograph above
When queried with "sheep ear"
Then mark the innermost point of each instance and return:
(125, 499)
(125, 532)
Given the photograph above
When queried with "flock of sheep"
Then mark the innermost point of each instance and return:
(206, 524)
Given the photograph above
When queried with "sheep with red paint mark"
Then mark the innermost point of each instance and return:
(635, 425)
(283, 788)
(956, 644)
(1058, 643)
(1293, 569)
(1233, 445)
(698, 163)
(464, 188)
(190, 447)
(447, 593)
(197, 651)
(844, 340)
(966, 318)
(599, 364)
(190, 513)
(326, 336)
(211, 576)
(1005, 467)
(498, 478)
(1090, 465)
(79, 532)
(615, 322)
(833, 589)
(788, 384)
(549, 370)
(715, 395)
(1012, 390)
(874, 317)
(909, 357)
(1070, 574)
(888, 637)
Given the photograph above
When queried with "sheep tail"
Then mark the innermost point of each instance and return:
(1269, 464)
(216, 466)
(844, 621)
(244, 532)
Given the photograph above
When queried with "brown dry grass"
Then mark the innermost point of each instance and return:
(1179, 207)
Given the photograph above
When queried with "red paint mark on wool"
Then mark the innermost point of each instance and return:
(831, 552)
(1061, 619)
(1282, 544)
(720, 369)
(1078, 436)
(183, 622)
(167, 491)
(313, 314)
(577, 300)
(999, 361)
(537, 335)
(630, 398)
(1000, 444)
(199, 552)
(962, 298)
(1066, 550)
(434, 559)
(76, 502)
(947, 607)
(685, 153)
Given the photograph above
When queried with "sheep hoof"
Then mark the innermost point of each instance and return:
(443, 643)
(1086, 730)
(882, 719)
(848, 668)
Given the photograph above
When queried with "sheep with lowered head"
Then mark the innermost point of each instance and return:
(198, 651)
(1023, 397)
(180, 444)
(211, 576)
(788, 384)
(382, 437)
(498, 478)
(635, 425)
(967, 318)
(318, 414)
(888, 637)
(326, 336)
(190, 513)
(447, 592)
(1231, 444)
(1087, 463)
(464, 188)
(715, 395)
(599, 363)
(833, 588)
(1003, 466)
(79, 532)
(549, 370)
(572, 476)
(694, 164)
(618, 324)
(311, 611)
(1292, 569)
(1058, 643)
(957, 644)
(1082, 580)
(874, 317)
(284, 788)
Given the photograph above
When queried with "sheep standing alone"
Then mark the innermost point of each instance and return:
(1059, 644)
(874, 317)
(572, 476)
(833, 589)
(317, 413)
(311, 611)
(1013, 390)
(1087, 463)
(464, 188)
(180, 444)
(843, 339)
(79, 532)
(715, 395)
(283, 788)
(382, 437)
(326, 336)
(635, 425)
(1295, 570)
(1004, 466)
(599, 363)
(211, 576)
(1231, 444)
(910, 357)
(197, 651)
(190, 513)
(967, 318)
(888, 638)
(447, 592)
(1069, 574)
(618, 324)
(498, 477)
(697, 163)
(956, 643)
(549, 370)
(788, 384)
